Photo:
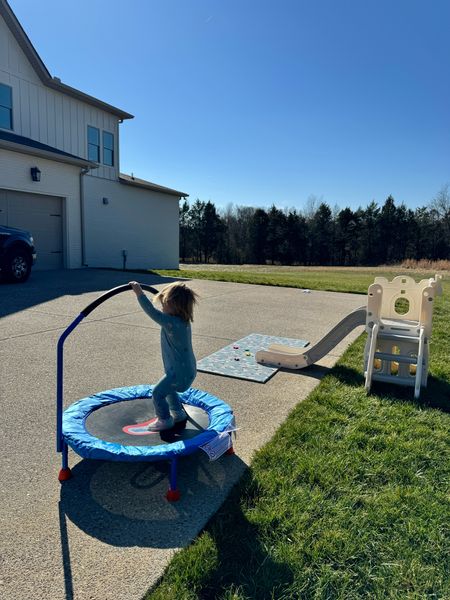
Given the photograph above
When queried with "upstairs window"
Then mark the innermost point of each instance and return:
(93, 144)
(108, 149)
(6, 120)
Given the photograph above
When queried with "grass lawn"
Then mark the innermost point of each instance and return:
(350, 499)
(338, 279)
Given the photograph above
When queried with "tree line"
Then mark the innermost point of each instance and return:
(317, 235)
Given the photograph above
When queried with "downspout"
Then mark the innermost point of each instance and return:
(83, 172)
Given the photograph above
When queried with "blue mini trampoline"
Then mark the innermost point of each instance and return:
(98, 427)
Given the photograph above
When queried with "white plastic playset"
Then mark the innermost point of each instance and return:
(397, 319)
(398, 324)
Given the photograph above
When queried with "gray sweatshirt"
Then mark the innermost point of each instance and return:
(176, 343)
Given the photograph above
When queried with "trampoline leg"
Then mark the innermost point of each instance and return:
(173, 494)
(230, 449)
(65, 473)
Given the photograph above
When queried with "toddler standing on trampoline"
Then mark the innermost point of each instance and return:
(177, 301)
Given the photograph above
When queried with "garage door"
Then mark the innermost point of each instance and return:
(42, 216)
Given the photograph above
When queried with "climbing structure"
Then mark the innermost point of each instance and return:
(398, 324)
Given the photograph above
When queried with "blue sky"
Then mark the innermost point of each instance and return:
(253, 102)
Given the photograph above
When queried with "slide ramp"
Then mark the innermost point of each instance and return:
(291, 358)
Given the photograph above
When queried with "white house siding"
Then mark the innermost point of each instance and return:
(49, 116)
(140, 221)
(57, 179)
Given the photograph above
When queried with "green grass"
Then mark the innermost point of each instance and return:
(327, 279)
(349, 500)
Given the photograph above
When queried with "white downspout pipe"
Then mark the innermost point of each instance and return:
(83, 172)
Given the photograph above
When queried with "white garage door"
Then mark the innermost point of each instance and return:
(42, 216)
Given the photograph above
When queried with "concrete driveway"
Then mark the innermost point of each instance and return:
(108, 533)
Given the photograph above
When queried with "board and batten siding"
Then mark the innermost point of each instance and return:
(57, 179)
(49, 116)
(140, 221)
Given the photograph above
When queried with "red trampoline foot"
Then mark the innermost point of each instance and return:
(173, 495)
(230, 450)
(64, 474)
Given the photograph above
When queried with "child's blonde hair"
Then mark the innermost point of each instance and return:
(181, 298)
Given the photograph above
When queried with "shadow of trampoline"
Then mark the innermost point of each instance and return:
(244, 557)
(124, 504)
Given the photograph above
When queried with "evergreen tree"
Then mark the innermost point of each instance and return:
(258, 229)
(368, 252)
(370, 236)
(195, 222)
(322, 236)
(211, 230)
(346, 237)
(295, 238)
(275, 234)
(184, 231)
(387, 231)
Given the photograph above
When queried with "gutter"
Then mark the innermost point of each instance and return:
(148, 185)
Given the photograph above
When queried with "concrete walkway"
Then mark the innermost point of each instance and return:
(108, 533)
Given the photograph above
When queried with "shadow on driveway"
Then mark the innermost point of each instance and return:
(44, 286)
(124, 505)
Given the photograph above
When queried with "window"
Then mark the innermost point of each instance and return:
(108, 149)
(6, 121)
(93, 144)
(93, 135)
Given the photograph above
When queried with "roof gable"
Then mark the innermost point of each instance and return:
(42, 71)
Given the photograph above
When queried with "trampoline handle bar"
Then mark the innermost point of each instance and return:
(60, 352)
(113, 292)
(59, 381)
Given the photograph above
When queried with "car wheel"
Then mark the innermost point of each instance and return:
(18, 266)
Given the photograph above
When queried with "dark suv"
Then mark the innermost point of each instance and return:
(17, 254)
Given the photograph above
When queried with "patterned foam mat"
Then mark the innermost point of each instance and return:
(238, 359)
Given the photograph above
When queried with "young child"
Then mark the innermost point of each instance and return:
(177, 301)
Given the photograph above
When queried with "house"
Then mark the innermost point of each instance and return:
(60, 175)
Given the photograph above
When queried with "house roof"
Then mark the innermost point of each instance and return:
(42, 71)
(142, 183)
(18, 143)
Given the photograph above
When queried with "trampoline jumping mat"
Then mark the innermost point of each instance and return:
(238, 359)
